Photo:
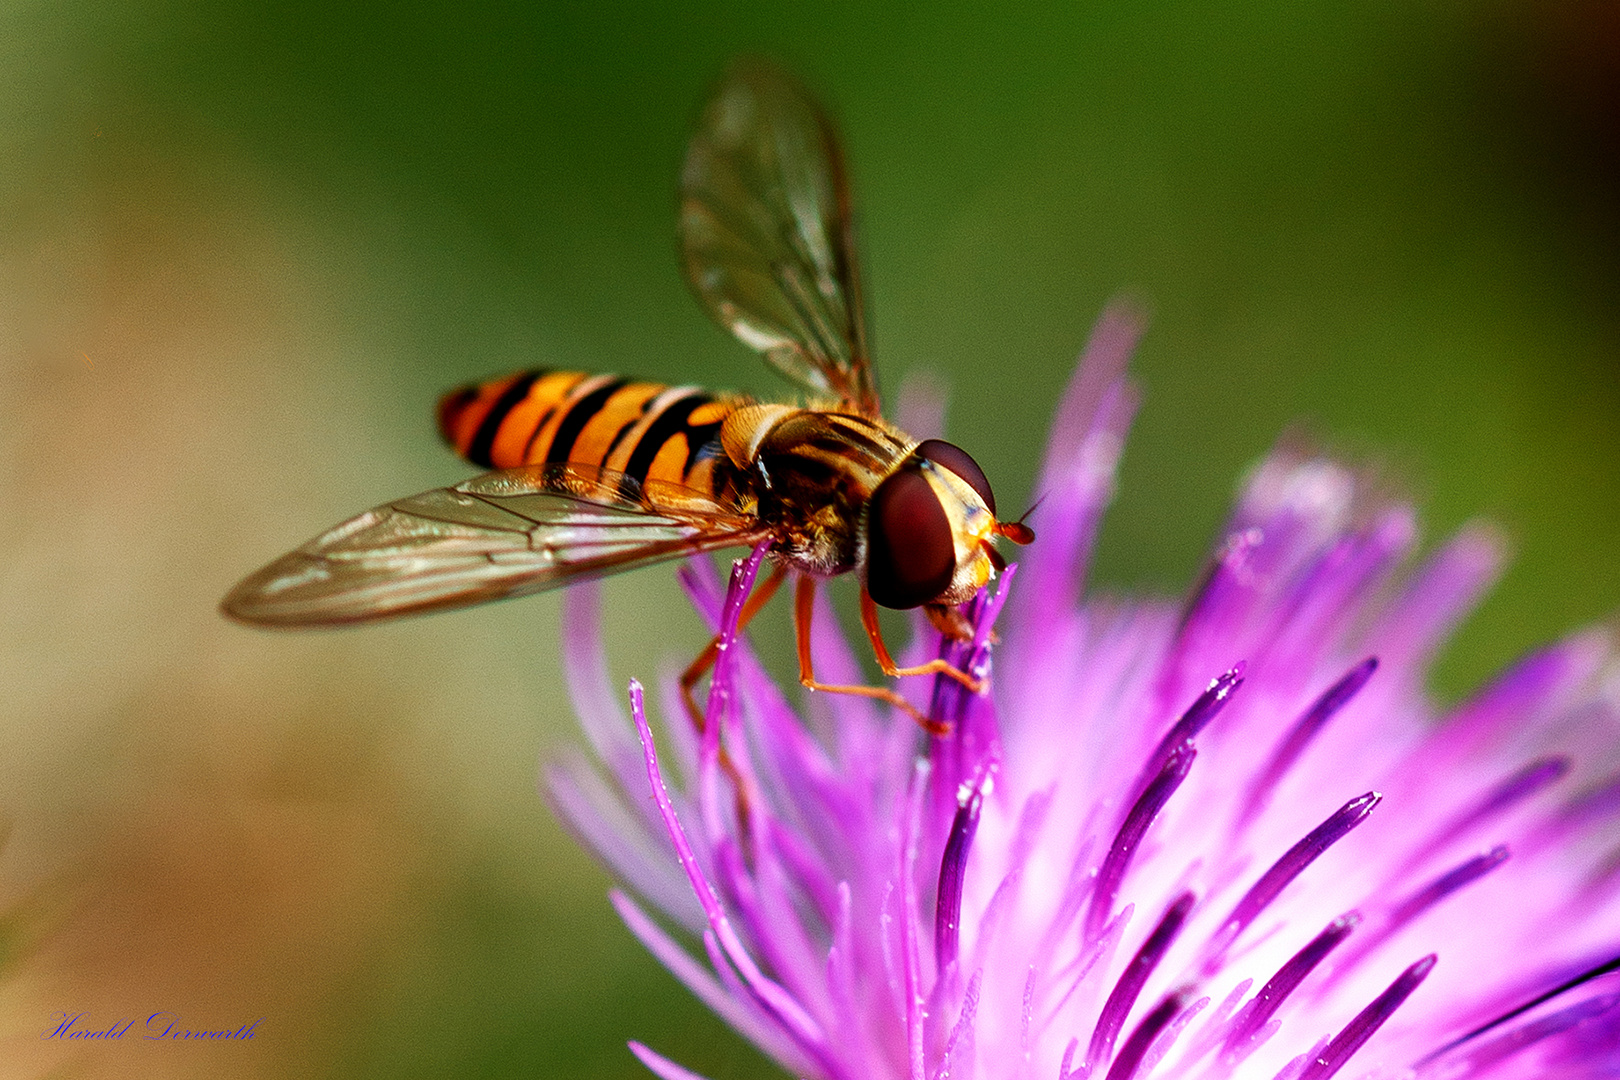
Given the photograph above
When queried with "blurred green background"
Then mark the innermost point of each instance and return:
(244, 246)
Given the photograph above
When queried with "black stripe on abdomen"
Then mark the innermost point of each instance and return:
(624, 429)
(478, 450)
(580, 414)
(671, 422)
(704, 437)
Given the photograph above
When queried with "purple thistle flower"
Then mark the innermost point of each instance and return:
(1228, 837)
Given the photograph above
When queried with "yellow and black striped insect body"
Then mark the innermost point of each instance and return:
(594, 474)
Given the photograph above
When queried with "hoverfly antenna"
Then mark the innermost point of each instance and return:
(1016, 531)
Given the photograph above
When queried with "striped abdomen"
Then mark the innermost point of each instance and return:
(647, 431)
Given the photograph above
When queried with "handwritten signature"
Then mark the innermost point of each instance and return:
(160, 1025)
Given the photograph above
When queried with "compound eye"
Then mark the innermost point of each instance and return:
(910, 551)
(956, 459)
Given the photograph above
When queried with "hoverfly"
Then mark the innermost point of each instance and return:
(595, 474)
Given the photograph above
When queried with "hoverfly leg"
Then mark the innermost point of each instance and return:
(705, 659)
(869, 619)
(804, 605)
(699, 667)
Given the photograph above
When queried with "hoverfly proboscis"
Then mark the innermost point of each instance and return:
(595, 474)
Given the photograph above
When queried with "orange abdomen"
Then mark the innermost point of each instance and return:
(647, 431)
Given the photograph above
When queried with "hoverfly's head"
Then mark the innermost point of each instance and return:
(929, 530)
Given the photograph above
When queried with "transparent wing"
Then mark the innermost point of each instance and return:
(506, 533)
(767, 240)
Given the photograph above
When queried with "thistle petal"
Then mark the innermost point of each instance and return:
(867, 902)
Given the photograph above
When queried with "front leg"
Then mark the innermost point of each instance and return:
(869, 619)
(804, 606)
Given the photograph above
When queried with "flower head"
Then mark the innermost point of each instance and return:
(1224, 837)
